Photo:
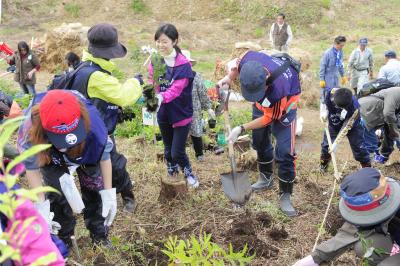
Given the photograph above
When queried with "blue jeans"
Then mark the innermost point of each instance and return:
(28, 89)
(284, 133)
(356, 140)
(371, 143)
(174, 140)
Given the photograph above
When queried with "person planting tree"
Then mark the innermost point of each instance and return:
(274, 88)
(173, 76)
(79, 141)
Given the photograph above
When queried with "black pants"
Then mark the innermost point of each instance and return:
(91, 183)
(197, 145)
(120, 176)
(174, 140)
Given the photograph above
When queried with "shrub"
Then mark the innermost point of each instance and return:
(72, 9)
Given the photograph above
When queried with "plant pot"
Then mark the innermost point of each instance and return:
(242, 145)
(212, 123)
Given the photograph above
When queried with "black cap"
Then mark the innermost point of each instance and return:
(103, 42)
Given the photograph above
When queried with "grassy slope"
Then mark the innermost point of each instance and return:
(209, 29)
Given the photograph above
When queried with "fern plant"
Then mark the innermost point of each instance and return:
(11, 240)
(203, 252)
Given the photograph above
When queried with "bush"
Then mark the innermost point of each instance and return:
(138, 6)
(72, 9)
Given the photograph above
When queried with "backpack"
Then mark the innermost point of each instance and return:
(64, 81)
(288, 61)
(375, 86)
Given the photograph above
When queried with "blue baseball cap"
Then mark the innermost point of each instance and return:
(363, 41)
(368, 198)
(390, 54)
(253, 81)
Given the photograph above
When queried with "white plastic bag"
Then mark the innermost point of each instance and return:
(71, 193)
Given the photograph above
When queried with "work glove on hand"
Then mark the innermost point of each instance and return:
(225, 81)
(344, 80)
(235, 133)
(378, 133)
(211, 114)
(307, 261)
(160, 99)
(323, 112)
(322, 84)
(109, 208)
(43, 209)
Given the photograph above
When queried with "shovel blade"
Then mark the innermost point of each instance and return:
(237, 189)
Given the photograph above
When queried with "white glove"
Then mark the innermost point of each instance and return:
(71, 193)
(323, 112)
(334, 146)
(160, 100)
(378, 133)
(109, 209)
(211, 114)
(235, 133)
(225, 81)
(43, 209)
(307, 261)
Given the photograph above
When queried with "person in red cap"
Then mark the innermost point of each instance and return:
(75, 129)
(369, 205)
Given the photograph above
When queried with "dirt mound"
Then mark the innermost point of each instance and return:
(53, 47)
(278, 234)
(243, 232)
(334, 220)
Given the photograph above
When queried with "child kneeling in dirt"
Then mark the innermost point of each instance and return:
(338, 108)
(370, 206)
(79, 141)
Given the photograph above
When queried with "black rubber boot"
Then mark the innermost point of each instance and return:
(285, 204)
(265, 180)
(129, 201)
(365, 165)
(324, 163)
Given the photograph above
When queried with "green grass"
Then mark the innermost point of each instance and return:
(139, 7)
(72, 9)
(326, 3)
(259, 32)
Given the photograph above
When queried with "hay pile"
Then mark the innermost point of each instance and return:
(52, 49)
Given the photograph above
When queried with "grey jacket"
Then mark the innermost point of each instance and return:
(200, 102)
(381, 108)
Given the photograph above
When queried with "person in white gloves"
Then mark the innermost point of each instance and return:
(274, 88)
(74, 128)
(337, 108)
(201, 102)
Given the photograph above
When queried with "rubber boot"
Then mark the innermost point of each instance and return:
(173, 169)
(265, 180)
(285, 191)
(129, 201)
(325, 159)
(191, 179)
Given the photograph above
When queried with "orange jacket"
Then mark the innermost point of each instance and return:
(279, 109)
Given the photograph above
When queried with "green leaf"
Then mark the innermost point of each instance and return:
(6, 133)
(26, 154)
(7, 252)
(10, 180)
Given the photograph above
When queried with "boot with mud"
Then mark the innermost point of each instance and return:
(128, 198)
(324, 163)
(265, 180)
(285, 204)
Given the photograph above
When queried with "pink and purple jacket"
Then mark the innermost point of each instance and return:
(176, 90)
(36, 241)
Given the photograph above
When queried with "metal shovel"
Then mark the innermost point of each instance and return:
(236, 185)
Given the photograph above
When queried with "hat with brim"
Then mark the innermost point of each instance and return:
(103, 42)
(61, 119)
(383, 208)
(253, 81)
(70, 139)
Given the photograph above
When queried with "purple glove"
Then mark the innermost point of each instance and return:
(380, 159)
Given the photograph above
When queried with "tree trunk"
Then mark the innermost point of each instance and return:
(172, 188)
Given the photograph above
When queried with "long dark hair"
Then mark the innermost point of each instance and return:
(23, 45)
(72, 59)
(171, 32)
